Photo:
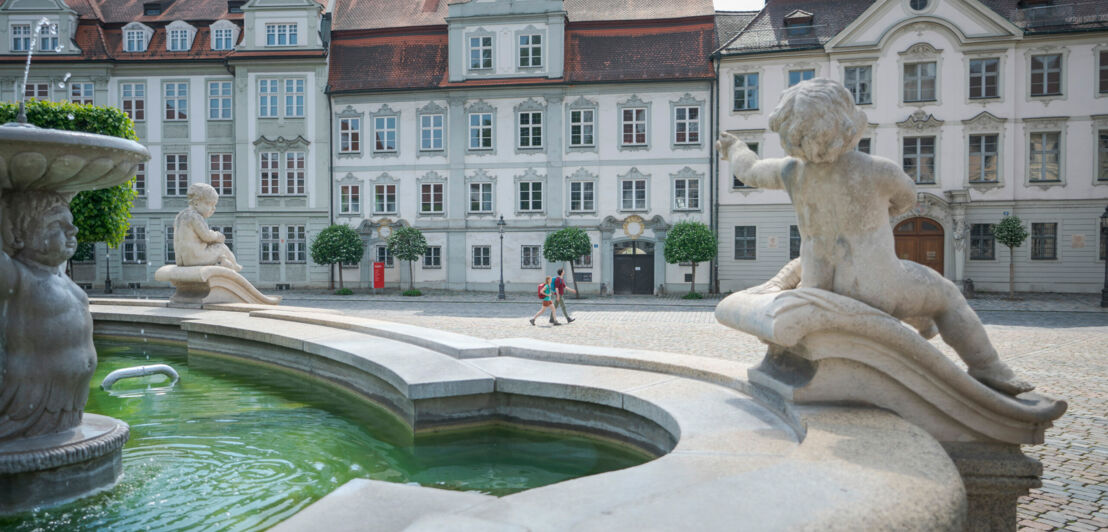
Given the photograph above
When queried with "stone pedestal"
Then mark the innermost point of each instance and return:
(995, 475)
(198, 285)
(63, 466)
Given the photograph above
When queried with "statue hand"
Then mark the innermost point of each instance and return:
(724, 144)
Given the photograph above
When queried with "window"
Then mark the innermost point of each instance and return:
(918, 5)
(280, 35)
(1044, 241)
(794, 242)
(634, 126)
(152, 9)
(296, 244)
(984, 78)
(1102, 155)
(80, 93)
(983, 158)
(1103, 79)
(269, 165)
(176, 101)
(178, 41)
(220, 170)
(686, 122)
(294, 98)
(270, 244)
(135, 41)
(228, 235)
(482, 256)
(86, 253)
(48, 38)
(686, 194)
(350, 136)
(134, 100)
(21, 37)
(381, 253)
(982, 242)
(134, 245)
(530, 129)
(219, 100)
(530, 51)
(480, 197)
(480, 131)
(1046, 75)
(350, 199)
(430, 132)
(294, 173)
(480, 53)
(735, 182)
(139, 184)
(919, 82)
(531, 257)
(582, 196)
(176, 174)
(633, 194)
(530, 196)
(267, 98)
(746, 92)
(865, 145)
(746, 242)
(432, 258)
(919, 159)
(1045, 152)
(582, 124)
(430, 198)
(170, 253)
(584, 261)
(221, 39)
(384, 134)
(384, 199)
(39, 91)
(859, 80)
(796, 76)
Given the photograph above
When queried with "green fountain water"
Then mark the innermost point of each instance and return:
(224, 451)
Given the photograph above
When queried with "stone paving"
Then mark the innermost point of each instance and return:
(1057, 341)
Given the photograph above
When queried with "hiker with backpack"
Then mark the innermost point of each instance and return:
(560, 294)
(546, 293)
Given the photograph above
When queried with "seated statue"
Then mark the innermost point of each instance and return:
(844, 199)
(46, 355)
(193, 242)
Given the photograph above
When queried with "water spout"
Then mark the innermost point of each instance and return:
(42, 23)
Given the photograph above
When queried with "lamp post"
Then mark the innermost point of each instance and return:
(500, 226)
(1104, 244)
(108, 263)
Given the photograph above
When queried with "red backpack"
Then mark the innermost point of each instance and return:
(542, 287)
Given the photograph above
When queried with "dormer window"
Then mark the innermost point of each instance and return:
(234, 6)
(480, 52)
(280, 35)
(48, 38)
(798, 23)
(530, 51)
(21, 37)
(224, 34)
(178, 40)
(152, 9)
(136, 37)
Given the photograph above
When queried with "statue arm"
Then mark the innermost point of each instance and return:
(203, 232)
(745, 165)
(900, 188)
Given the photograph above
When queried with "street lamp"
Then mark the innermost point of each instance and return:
(500, 226)
(1104, 244)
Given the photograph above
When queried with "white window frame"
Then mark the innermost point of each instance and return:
(269, 173)
(179, 112)
(432, 258)
(803, 74)
(134, 245)
(918, 89)
(133, 100)
(82, 92)
(632, 202)
(530, 50)
(587, 128)
(482, 189)
(269, 240)
(692, 125)
(385, 198)
(1052, 237)
(350, 135)
(176, 175)
(861, 89)
(983, 77)
(482, 46)
(481, 128)
(269, 94)
(428, 129)
(295, 168)
(979, 149)
(1044, 73)
(350, 199)
(751, 239)
(221, 173)
(485, 256)
(223, 39)
(22, 35)
(686, 194)
(528, 190)
(135, 41)
(428, 207)
(921, 157)
(529, 130)
(177, 40)
(276, 32)
(385, 134)
(139, 183)
(530, 257)
(296, 244)
(220, 97)
(636, 120)
(1031, 156)
(750, 91)
(583, 204)
(294, 97)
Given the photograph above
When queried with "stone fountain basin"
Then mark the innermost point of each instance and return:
(33, 158)
(730, 457)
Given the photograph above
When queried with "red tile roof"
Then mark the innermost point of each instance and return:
(654, 51)
(388, 61)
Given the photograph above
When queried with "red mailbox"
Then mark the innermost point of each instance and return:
(378, 275)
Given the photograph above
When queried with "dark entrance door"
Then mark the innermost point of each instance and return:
(920, 240)
(633, 267)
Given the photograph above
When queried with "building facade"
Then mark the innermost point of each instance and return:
(993, 107)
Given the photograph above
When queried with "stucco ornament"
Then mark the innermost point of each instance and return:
(844, 200)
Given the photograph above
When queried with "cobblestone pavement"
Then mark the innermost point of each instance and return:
(1059, 342)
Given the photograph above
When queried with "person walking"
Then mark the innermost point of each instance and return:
(560, 295)
(547, 291)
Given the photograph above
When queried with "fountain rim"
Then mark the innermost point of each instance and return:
(28, 133)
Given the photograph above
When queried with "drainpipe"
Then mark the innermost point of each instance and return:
(330, 174)
(713, 170)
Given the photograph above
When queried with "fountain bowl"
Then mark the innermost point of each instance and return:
(32, 158)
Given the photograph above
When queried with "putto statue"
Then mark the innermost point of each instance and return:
(844, 200)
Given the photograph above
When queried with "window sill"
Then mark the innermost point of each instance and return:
(349, 213)
(385, 213)
(635, 210)
(582, 213)
(425, 267)
(691, 209)
(750, 110)
(134, 262)
(480, 267)
(983, 98)
(210, 119)
(480, 213)
(1050, 95)
(432, 214)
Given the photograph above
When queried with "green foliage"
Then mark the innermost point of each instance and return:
(335, 244)
(344, 292)
(100, 215)
(1010, 231)
(692, 295)
(407, 243)
(566, 245)
(412, 293)
(690, 241)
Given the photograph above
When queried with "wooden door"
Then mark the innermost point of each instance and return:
(920, 240)
(633, 265)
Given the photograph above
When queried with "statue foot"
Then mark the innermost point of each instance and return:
(999, 377)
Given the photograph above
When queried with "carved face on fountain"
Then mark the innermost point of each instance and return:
(39, 228)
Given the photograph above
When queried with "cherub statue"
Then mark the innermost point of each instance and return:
(47, 357)
(844, 199)
(193, 242)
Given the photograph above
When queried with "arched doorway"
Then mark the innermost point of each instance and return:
(633, 265)
(920, 240)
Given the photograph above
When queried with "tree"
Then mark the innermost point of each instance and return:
(567, 245)
(690, 241)
(407, 243)
(1011, 233)
(337, 244)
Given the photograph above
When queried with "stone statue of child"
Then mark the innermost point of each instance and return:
(47, 357)
(844, 199)
(193, 242)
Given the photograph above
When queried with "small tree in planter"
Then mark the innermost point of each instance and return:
(407, 243)
(567, 245)
(693, 242)
(335, 245)
(1011, 233)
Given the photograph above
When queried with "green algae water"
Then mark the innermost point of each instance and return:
(220, 451)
